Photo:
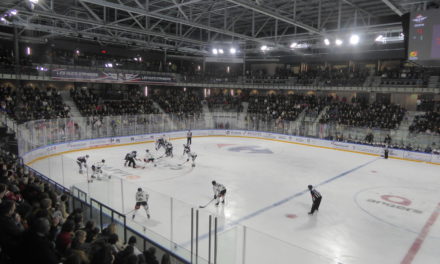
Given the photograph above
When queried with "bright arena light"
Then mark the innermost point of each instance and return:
(338, 42)
(293, 45)
(232, 50)
(214, 51)
(379, 38)
(263, 48)
(220, 51)
(34, 1)
(354, 39)
(327, 42)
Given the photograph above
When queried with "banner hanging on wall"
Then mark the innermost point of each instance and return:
(103, 76)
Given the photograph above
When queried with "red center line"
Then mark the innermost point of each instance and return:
(412, 252)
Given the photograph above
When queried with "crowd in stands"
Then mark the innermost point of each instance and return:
(91, 104)
(184, 102)
(284, 107)
(426, 123)
(360, 114)
(428, 105)
(222, 102)
(32, 103)
(37, 226)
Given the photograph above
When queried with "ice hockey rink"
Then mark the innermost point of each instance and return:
(373, 210)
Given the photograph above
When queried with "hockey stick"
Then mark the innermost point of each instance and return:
(203, 206)
(182, 163)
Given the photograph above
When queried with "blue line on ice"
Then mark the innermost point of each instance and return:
(283, 201)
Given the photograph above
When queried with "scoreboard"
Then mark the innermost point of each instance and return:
(424, 37)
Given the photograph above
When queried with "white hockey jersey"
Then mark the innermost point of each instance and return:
(192, 155)
(99, 165)
(218, 188)
(142, 196)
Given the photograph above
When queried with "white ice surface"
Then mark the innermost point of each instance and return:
(372, 210)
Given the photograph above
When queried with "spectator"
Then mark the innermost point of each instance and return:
(39, 248)
(11, 228)
(64, 238)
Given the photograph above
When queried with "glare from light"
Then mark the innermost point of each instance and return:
(34, 1)
(228, 69)
(338, 42)
(354, 39)
(232, 50)
(293, 45)
(199, 68)
(220, 51)
(28, 51)
(214, 51)
(327, 42)
(263, 48)
(379, 38)
(77, 52)
(13, 12)
(146, 91)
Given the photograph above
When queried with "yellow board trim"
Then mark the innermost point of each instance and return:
(269, 139)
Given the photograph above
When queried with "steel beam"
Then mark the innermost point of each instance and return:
(52, 15)
(174, 19)
(393, 7)
(270, 13)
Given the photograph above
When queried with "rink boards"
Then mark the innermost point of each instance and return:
(81, 145)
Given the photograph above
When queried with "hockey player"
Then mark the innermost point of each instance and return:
(316, 198)
(149, 157)
(192, 156)
(168, 149)
(131, 157)
(97, 170)
(141, 200)
(161, 142)
(82, 162)
(219, 191)
(126, 159)
(186, 149)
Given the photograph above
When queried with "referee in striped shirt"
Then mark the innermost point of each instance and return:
(316, 197)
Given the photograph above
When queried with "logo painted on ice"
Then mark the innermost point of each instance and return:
(251, 150)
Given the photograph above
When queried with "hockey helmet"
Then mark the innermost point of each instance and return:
(87, 156)
(214, 183)
(103, 161)
(147, 150)
(310, 187)
(139, 189)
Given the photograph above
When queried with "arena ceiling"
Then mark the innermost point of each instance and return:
(198, 26)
